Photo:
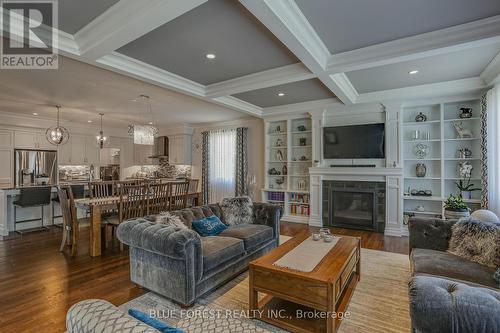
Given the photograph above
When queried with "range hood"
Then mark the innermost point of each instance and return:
(160, 148)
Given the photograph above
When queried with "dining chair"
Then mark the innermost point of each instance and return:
(158, 198)
(178, 195)
(102, 189)
(192, 188)
(133, 203)
(78, 192)
(71, 222)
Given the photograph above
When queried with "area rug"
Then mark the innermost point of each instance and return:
(379, 303)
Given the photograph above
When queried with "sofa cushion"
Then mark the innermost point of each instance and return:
(252, 235)
(476, 241)
(209, 226)
(238, 210)
(431, 262)
(218, 250)
(188, 215)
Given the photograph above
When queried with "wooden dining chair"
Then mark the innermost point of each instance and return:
(178, 195)
(133, 203)
(158, 198)
(71, 222)
(192, 188)
(102, 189)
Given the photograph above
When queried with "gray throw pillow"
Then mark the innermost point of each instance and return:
(476, 241)
(496, 276)
(238, 210)
(170, 220)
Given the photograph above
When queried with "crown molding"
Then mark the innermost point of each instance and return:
(426, 91)
(126, 21)
(456, 38)
(264, 79)
(300, 107)
(239, 105)
(491, 74)
(343, 82)
(285, 20)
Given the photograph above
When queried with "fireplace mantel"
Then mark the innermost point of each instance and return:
(393, 178)
(353, 171)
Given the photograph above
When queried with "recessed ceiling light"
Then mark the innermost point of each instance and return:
(210, 56)
(89, 121)
(413, 72)
(281, 94)
(35, 114)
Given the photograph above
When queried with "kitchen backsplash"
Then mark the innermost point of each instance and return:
(74, 172)
(162, 170)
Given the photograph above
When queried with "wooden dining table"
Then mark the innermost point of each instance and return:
(97, 205)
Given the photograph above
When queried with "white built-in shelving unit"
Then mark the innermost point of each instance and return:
(288, 145)
(439, 134)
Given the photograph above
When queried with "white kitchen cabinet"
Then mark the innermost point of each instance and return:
(6, 158)
(179, 149)
(31, 140)
(142, 153)
(64, 153)
(79, 150)
(92, 155)
(6, 139)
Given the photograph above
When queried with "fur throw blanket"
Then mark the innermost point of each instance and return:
(476, 241)
(170, 220)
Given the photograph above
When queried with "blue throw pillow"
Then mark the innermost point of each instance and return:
(156, 324)
(209, 226)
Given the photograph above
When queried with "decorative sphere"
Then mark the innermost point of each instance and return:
(485, 216)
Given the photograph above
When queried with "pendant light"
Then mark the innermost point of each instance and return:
(144, 134)
(102, 140)
(57, 135)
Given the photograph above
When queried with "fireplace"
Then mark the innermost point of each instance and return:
(354, 204)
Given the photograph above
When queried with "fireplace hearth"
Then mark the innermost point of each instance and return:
(354, 204)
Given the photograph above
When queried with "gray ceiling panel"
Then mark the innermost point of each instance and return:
(296, 92)
(242, 45)
(75, 14)
(447, 67)
(345, 25)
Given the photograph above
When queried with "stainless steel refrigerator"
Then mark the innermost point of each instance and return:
(35, 167)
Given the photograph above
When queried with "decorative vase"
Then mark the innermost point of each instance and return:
(302, 141)
(284, 170)
(421, 170)
(456, 213)
(420, 117)
(466, 194)
(465, 113)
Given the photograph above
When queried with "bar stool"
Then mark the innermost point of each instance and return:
(32, 197)
(78, 193)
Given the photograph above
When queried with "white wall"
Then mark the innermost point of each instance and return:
(255, 147)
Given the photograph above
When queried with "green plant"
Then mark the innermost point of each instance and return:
(465, 185)
(455, 202)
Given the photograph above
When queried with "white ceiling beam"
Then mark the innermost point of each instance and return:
(456, 38)
(491, 74)
(448, 88)
(126, 21)
(264, 79)
(238, 105)
(295, 108)
(285, 20)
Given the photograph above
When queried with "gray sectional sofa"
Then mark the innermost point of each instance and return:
(448, 293)
(181, 265)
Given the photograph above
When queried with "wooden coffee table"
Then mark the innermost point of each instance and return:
(305, 301)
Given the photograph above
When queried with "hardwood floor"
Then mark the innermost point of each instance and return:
(38, 284)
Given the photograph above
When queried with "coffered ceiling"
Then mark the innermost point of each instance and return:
(342, 51)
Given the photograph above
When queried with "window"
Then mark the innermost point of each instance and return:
(222, 164)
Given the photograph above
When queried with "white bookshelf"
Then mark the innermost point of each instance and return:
(442, 159)
(296, 148)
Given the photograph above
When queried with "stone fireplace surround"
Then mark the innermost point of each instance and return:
(392, 177)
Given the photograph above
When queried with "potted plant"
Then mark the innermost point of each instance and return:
(455, 207)
(464, 185)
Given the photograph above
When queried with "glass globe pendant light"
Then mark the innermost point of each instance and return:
(102, 140)
(57, 135)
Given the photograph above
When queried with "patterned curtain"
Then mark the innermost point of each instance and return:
(484, 152)
(205, 162)
(241, 161)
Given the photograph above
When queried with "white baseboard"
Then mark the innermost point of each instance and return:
(395, 231)
(296, 219)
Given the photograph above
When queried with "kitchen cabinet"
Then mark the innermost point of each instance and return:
(142, 153)
(79, 150)
(179, 149)
(6, 158)
(31, 140)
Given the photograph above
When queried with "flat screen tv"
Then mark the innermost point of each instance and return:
(357, 141)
